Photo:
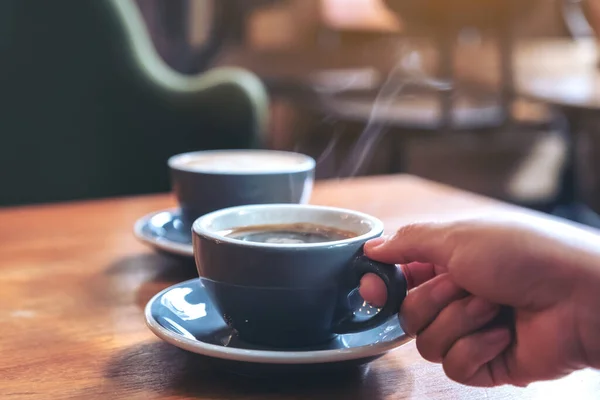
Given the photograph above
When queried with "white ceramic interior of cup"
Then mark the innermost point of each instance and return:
(241, 162)
(216, 224)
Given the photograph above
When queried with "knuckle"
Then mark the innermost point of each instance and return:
(408, 230)
(458, 363)
(455, 369)
(429, 349)
(461, 231)
(455, 313)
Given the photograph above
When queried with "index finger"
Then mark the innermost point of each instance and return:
(422, 242)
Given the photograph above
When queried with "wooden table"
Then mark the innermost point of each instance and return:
(73, 282)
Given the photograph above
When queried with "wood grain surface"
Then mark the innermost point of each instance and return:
(74, 281)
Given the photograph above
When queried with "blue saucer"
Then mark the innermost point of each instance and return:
(165, 231)
(184, 316)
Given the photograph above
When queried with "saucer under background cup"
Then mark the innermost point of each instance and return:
(165, 232)
(184, 316)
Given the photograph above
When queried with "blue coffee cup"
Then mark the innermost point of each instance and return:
(282, 294)
(205, 181)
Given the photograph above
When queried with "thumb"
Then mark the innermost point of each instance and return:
(420, 242)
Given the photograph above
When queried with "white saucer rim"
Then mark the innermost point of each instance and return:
(265, 356)
(164, 244)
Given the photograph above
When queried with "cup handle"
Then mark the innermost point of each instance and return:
(395, 282)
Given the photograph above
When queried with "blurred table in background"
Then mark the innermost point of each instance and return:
(358, 15)
(560, 73)
(553, 70)
(565, 75)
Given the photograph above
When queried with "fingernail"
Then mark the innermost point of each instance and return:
(478, 307)
(496, 336)
(371, 244)
(443, 291)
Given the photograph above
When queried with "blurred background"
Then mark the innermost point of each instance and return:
(495, 97)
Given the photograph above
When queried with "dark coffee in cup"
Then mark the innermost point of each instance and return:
(282, 274)
(297, 233)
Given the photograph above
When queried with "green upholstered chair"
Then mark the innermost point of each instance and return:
(89, 110)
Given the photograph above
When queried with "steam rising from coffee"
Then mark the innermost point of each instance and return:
(406, 72)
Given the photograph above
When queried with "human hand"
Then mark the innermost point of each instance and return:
(461, 274)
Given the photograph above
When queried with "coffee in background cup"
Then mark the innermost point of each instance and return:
(281, 274)
(206, 181)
